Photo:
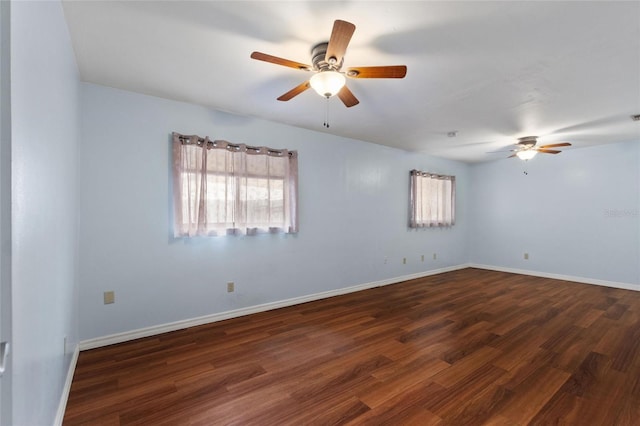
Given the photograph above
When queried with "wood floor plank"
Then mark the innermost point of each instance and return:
(478, 407)
(532, 395)
(588, 318)
(469, 347)
(463, 368)
(419, 372)
(561, 409)
(449, 402)
(403, 408)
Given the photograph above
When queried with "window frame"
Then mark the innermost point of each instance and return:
(192, 203)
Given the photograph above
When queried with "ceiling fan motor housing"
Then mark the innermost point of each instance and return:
(318, 58)
(528, 142)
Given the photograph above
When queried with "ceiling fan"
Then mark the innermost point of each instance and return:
(526, 148)
(327, 59)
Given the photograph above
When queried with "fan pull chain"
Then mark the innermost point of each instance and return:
(326, 114)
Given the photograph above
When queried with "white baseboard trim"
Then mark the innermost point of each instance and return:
(179, 325)
(614, 284)
(62, 406)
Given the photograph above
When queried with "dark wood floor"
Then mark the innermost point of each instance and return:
(469, 347)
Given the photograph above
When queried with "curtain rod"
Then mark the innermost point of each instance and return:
(435, 175)
(236, 146)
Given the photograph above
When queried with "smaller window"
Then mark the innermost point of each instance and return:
(432, 200)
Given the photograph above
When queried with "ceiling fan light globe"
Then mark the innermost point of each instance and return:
(527, 154)
(327, 83)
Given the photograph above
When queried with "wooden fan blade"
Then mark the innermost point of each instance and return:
(340, 38)
(280, 61)
(295, 91)
(554, 145)
(512, 155)
(548, 151)
(389, 71)
(347, 97)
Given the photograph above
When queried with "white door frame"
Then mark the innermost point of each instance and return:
(5, 207)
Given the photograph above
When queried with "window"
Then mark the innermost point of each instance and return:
(221, 188)
(432, 200)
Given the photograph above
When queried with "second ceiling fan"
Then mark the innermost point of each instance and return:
(327, 59)
(526, 148)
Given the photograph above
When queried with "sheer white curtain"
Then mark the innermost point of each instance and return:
(432, 200)
(222, 188)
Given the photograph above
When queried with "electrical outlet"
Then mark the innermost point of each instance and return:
(526, 256)
(422, 258)
(404, 260)
(435, 256)
(231, 287)
(385, 260)
(109, 297)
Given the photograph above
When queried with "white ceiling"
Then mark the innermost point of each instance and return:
(492, 71)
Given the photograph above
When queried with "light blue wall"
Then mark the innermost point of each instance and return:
(353, 214)
(575, 213)
(45, 127)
